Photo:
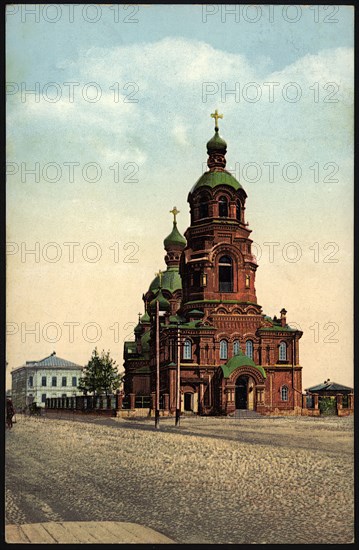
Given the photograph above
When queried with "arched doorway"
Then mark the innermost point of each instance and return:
(189, 400)
(241, 397)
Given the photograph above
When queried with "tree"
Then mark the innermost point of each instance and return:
(100, 375)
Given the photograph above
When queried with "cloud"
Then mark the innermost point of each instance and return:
(168, 88)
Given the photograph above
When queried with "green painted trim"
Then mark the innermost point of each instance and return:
(240, 360)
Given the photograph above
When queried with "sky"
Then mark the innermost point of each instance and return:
(108, 115)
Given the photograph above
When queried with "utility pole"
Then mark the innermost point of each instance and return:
(293, 366)
(157, 413)
(178, 384)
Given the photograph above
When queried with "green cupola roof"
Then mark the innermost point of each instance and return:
(217, 174)
(145, 318)
(163, 302)
(174, 239)
(171, 281)
(216, 143)
(213, 179)
(138, 328)
(240, 360)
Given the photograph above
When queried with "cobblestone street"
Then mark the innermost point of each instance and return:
(213, 480)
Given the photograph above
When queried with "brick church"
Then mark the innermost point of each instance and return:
(213, 336)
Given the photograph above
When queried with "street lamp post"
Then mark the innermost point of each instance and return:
(157, 413)
(178, 382)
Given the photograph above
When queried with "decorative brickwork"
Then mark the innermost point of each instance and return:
(232, 355)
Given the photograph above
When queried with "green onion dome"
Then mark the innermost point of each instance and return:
(216, 143)
(145, 318)
(171, 281)
(174, 239)
(164, 304)
(138, 328)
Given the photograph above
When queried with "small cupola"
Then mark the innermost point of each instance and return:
(216, 148)
(164, 305)
(174, 243)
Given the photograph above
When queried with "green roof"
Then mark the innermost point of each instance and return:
(191, 324)
(145, 341)
(216, 143)
(240, 360)
(164, 304)
(195, 312)
(138, 328)
(145, 318)
(174, 238)
(176, 319)
(171, 281)
(213, 179)
(329, 386)
(278, 328)
(130, 347)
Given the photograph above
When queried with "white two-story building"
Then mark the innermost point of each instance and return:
(52, 376)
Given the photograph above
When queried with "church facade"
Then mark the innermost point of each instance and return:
(214, 337)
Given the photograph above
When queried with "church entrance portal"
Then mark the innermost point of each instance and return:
(188, 401)
(242, 392)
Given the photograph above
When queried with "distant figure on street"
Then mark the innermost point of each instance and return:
(10, 411)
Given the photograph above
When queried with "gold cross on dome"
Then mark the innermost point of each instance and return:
(174, 211)
(159, 275)
(216, 116)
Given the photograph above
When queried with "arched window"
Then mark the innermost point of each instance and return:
(203, 208)
(225, 274)
(223, 349)
(223, 207)
(284, 393)
(249, 349)
(238, 210)
(236, 347)
(187, 349)
(248, 281)
(282, 351)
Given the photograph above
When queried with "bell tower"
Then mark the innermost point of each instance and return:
(217, 265)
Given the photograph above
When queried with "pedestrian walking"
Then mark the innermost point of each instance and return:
(10, 412)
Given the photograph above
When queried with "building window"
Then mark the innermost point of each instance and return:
(74, 381)
(249, 349)
(54, 381)
(284, 393)
(31, 381)
(223, 349)
(64, 381)
(187, 349)
(247, 281)
(236, 347)
(197, 279)
(43, 398)
(223, 207)
(238, 210)
(64, 395)
(282, 351)
(225, 274)
(203, 208)
(43, 381)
